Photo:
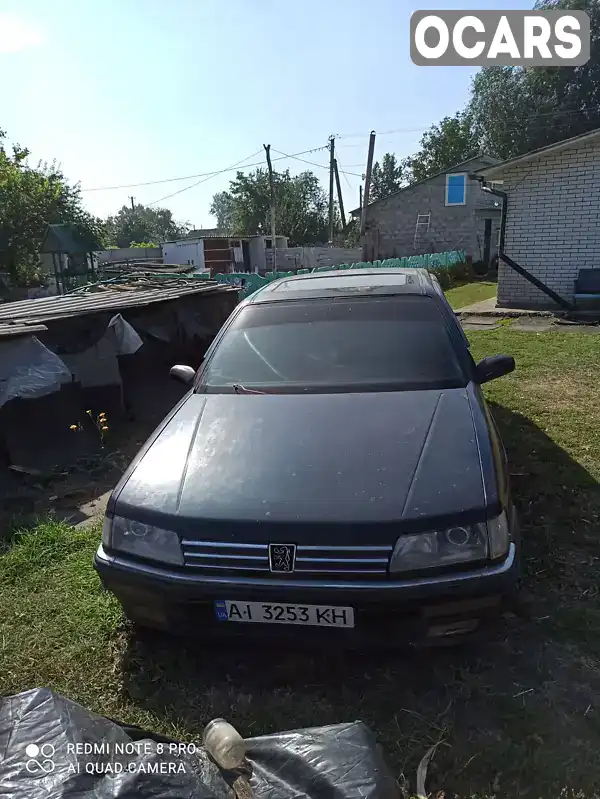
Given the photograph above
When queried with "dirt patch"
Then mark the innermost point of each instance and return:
(27, 495)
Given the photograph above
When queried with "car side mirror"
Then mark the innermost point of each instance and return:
(183, 374)
(494, 366)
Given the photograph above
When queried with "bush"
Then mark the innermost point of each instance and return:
(443, 276)
(480, 268)
(449, 276)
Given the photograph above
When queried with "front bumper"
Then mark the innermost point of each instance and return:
(417, 610)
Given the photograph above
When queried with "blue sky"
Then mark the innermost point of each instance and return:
(128, 91)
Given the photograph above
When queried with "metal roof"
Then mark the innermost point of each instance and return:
(13, 329)
(564, 144)
(68, 239)
(481, 157)
(47, 309)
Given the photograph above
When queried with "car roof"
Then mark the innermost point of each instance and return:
(347, 282)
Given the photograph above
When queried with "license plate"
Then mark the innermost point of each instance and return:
(280, 613)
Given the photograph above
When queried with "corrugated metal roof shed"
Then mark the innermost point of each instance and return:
(13, 329)
(130, 295)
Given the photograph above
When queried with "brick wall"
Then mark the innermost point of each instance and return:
(451, 227)
(552, 225)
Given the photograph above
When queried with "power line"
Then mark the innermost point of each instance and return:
(344, 174)
(233, 166)
(420, 130)
(324, 147)
(313, 163)
(382, 133)
(199, 175)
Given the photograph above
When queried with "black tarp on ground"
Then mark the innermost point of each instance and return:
(45, 738)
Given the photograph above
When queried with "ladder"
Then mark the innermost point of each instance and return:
(421, 227)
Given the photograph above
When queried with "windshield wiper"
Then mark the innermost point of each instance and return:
(240, 389)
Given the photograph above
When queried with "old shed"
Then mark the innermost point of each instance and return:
(103, 348)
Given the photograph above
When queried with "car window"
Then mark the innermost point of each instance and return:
(363, 343)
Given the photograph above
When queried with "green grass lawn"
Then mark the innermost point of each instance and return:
(517, 718)
(461, 296)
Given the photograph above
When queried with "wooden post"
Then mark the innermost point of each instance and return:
(339, 193)
(363, 217)
(272, 189)
(56, 273)
(331, 175)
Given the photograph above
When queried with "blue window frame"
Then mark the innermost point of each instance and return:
(456, 189)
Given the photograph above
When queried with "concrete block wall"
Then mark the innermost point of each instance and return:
(130, 254)
(552, 224)
(451, 227)
(292, 258)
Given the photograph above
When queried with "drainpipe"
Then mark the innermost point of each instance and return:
(507, 259)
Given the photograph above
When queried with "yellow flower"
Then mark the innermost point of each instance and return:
(73, 427)
(105, 427)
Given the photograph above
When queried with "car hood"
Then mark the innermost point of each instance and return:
(320, 458)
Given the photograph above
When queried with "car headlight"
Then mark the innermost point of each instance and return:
(459, 544)
(143, 540)
(498, 535)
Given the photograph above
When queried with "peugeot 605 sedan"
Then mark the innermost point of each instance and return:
(334, 466)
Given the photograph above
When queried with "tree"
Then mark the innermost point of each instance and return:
(517, 110)
(222, 207)
(301, 206)
(30, 200)
(449, 142)
(513, 110)
(387, 178)
(132, 226)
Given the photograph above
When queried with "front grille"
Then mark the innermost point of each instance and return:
(218, 558)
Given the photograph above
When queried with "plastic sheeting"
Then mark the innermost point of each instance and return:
(28, 369)
(126, 338)
(53, 748)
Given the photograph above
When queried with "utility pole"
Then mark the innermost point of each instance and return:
(363, 218)
(339, 193)
(273, 246)
(360, 198)
(132, 203)
(331, 175)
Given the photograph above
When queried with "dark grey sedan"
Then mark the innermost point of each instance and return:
(333, 467)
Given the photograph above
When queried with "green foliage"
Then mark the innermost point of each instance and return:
(30, 200)
(147, 245)
(301, 207)
(222, 207)
(449, 142)
(517, 110)
(449, 276)
(135, 226)
(513, 110)
(388, 177)
(352, 234)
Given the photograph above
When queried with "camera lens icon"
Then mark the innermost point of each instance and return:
(40, 758)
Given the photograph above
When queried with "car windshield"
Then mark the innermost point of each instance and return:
(367, 343)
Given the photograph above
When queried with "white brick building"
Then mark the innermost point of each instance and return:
(552, 218)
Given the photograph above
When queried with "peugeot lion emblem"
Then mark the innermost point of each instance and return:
(282, 557)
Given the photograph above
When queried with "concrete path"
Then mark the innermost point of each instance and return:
(489, 308)
(93, 510)
(82, 515)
